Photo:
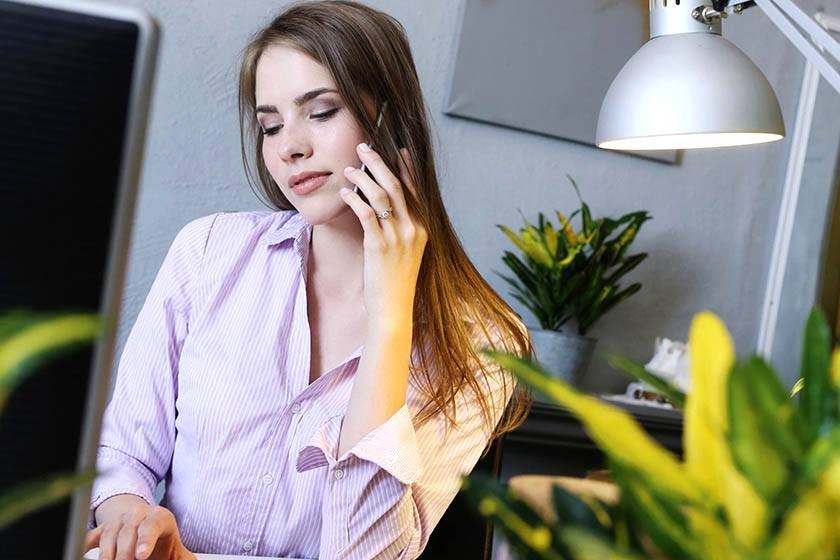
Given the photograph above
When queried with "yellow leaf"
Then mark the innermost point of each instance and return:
(807, 532)
(44, 336)
(513, 237)
(587, 239)
(616, 432)
(535, 248)
(710, 535)
(747, 511)
(711, 357)
(830, 481)
(573, 251)
(835, 368)
(550, 238)
(567, 228)
(706, 449)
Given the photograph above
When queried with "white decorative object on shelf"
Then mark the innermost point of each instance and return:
(670, 362)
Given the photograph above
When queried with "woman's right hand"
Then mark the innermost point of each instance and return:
(124, 536)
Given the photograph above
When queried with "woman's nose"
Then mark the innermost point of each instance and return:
(294, 146)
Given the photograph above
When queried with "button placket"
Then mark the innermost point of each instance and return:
(260, 495)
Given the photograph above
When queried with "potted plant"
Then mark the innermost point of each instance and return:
(568, 275)
(28, 339)
(760, 478)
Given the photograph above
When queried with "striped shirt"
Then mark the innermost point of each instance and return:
(212, 394)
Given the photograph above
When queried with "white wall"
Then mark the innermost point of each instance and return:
(714, 213)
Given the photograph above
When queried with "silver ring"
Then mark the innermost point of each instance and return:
(385, 214)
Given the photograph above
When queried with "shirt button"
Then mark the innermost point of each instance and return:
(295, 408)
(247, 546)
(338, 473)
(268, 479)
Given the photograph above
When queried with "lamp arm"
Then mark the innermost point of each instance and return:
(781, 12)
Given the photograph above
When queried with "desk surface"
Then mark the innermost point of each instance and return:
(94, 555)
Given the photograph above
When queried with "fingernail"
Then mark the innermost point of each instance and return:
(349, 168)
(364, 147)
(343, 191)
(141, 550)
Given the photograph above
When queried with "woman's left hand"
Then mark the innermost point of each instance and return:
(393, 246)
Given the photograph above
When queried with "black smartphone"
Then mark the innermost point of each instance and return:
(364, 168)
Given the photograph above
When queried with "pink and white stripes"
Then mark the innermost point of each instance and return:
(212, 394)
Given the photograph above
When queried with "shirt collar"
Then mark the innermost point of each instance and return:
(294, 227)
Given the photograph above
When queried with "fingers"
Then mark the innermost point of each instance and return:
(132, 535)
(126, 538)
(92, 538)
(378, 198)
(108, 541)
(385, 179)
(117, 540)
(159, 522)
(366, 215)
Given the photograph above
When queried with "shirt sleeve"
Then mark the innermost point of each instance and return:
(384, 496)
(138, 426)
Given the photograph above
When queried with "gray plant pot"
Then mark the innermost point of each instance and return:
(566, 356)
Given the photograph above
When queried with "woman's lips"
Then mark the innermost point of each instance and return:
(305, 187)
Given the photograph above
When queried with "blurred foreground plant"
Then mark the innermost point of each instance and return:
(760, 478)
(27, 340)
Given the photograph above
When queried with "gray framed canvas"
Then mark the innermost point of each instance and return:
(544, 66)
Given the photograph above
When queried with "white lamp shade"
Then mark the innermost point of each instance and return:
(688, 90)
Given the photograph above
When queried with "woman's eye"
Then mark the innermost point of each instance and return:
(320, 116)
(324, 116)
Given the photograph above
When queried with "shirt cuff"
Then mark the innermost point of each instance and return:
(392, 446)
(118, 476)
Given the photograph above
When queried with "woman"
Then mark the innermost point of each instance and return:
(308, 380)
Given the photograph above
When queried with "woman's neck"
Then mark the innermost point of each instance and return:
(336, 258)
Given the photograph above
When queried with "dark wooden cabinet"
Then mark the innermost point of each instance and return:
(551, 441)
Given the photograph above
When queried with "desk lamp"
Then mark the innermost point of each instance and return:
(688, 87)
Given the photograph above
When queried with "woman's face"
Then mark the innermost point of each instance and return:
(305, 132)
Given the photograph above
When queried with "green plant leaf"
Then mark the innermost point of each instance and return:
(568, 230)
(809, 530)
(29, 342)
(819, 457)
(572, 510)
(627, 265)
(575, 186)
(816, 351)
(588, 545)
(31, 496)
(525, 530)
(639, 372)
(661, 518)
(761, 434)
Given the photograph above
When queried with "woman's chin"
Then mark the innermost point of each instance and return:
(316, 212)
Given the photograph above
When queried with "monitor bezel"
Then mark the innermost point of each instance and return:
(139, 102)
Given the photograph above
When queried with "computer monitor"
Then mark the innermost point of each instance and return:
(75, 82)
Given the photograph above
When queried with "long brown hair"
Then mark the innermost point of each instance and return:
(367, 52)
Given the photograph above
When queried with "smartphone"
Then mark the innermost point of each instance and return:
(364, 168)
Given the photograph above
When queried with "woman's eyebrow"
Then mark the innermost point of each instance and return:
(300, 100)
